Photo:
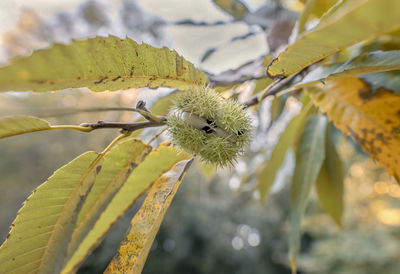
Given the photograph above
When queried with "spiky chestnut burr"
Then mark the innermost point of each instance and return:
(204, 123)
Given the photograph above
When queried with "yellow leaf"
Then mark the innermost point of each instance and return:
(101, 63)
(352, 22)
(135, 247)
(14, 125)
(373, 120)
(156, 163)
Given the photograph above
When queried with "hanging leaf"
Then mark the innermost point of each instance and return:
(267, 175)
(118, 165)
(207, 170)
(373, 120)
(261, 84)
(135, 247)
(156, 163)
(353, 22)
(208, 54)
(387, 80)
(45, 223)
(309, 159)
(277, 107)
(313, 9)
(101, 63)
(162, 106)
(15, 125)
(371, 62)
(330, 181)
(234, 8)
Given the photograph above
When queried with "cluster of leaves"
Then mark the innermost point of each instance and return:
(81, 201)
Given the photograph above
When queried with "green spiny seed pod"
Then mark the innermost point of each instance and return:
(204, 123)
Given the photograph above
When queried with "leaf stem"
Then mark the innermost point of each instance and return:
(114, 142)
(80, 128)
(271, 89)
(142, 110)
(156, 136)
(278, 85)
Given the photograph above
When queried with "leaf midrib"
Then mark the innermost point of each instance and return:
(76, 189)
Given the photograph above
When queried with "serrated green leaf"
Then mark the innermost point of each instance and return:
(118, 165)
(352, 22)
(15, 125)
(45, 223)
(156, 163)
(371, 62)
(309, 158)
(135, 247)
(234, 8)
(101, 63)
(267, 175)
(330, 181)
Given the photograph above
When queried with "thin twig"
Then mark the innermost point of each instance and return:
(123, 126)
(153, 121)
(142, 110)
(273, 89)
(215, 83)
(190, 22)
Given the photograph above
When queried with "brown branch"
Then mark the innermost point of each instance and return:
(153, 121)
(124, 126)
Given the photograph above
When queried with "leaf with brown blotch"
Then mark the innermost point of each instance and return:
(118, 164)
(373, 120)
(135, 247)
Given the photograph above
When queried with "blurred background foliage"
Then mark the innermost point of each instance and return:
(216, 223)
